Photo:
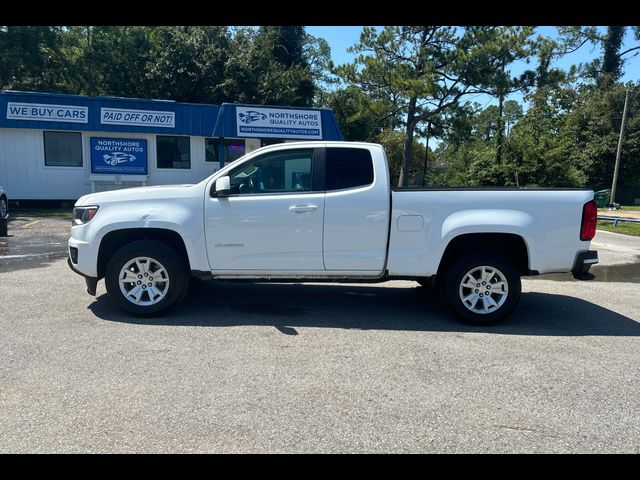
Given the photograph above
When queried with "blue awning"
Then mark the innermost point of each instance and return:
(52, 111)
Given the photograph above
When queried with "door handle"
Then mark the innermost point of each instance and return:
(303, 208)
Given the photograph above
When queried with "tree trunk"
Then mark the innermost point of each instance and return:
(500, 132)
(407, 153)
(426, 156)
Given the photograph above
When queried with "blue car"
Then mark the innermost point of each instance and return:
(251, 116)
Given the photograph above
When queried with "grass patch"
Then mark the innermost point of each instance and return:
(625, 228)
(41, 212)
(623, 208)
(634, 208)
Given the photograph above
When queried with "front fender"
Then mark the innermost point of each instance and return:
(182, 217)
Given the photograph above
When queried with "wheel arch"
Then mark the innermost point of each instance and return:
(116, 239)
(511, 245)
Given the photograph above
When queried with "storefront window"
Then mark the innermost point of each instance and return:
(62, 149)
(211, 149)
(173, 152)
(232, 149)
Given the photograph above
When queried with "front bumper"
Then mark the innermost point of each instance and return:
(92, 282)
(584, 261)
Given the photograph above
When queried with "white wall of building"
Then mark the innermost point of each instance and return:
(24, 174)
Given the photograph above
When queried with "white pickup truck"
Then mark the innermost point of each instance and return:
(319, 211)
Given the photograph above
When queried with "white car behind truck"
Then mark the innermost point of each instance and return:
(325, 211)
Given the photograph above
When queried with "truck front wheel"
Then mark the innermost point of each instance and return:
(482, 288)
(146, 278)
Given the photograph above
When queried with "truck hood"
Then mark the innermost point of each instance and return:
(157, 192)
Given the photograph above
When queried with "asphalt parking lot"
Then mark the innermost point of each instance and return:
(250, 367)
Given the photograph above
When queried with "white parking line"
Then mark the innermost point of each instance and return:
(6, 257)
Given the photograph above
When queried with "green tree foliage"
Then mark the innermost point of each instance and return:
(187, 63)
(286, 74)
(595, 126)
(568, 135)
(318, 55)
(420, 72)
(403, 79)
(356, 114)
(611, 60)
(266, 65)
(269, 66)
(109, 60)
(393, 143)
(512, 112)
(609, 67)
(539, 148)
(567, 138)
(31, 58)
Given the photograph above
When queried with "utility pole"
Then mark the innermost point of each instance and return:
(615, 170)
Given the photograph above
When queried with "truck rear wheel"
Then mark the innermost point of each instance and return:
(482, 288)
(146, 278)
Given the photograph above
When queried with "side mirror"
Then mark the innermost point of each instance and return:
(222, 187)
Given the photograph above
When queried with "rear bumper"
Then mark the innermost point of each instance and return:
(584, 261)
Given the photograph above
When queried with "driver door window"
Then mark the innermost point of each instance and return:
(278, 172)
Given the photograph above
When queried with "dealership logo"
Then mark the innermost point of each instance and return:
(114, 158)
(251, 116)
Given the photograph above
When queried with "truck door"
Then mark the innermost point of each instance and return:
(272, 221)
(357, 208)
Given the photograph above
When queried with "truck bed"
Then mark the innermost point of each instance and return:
(424, 220)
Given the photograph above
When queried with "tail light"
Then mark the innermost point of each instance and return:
(589, 220)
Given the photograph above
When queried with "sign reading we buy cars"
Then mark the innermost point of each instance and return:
(278, 123)
(47, 112)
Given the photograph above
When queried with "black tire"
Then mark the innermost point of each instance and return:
(426, 282)
(4, 207)
(4, 211)
(453, 277)
(176, 270)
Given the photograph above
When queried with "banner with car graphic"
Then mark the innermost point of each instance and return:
(259, 122)
(118, 156)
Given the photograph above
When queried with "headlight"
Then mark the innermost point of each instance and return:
(82, 215)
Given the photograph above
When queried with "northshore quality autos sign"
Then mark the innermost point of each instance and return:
(278, 123)
(119, 156)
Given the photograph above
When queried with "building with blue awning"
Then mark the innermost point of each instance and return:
(60, 147)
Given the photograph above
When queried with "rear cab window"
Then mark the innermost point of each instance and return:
(348, 168)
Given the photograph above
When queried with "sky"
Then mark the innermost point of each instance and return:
(340, 38)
